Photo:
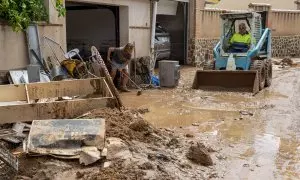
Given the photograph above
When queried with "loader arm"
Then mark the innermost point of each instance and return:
(260, 43)
(217, 50)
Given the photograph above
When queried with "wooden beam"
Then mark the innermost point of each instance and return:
(50, 110)
(81, 87)
(12, 93)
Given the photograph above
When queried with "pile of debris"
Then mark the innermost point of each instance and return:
(141, 69)
(285, 62)
(66, 129)
(130, 149)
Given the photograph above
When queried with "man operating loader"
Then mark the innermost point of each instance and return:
(120, 58)
(240, 42)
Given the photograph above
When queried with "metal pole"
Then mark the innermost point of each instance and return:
(154, 12)
(185, 26)
(134, 61)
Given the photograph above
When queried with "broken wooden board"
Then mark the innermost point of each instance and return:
(65, 137)
(97, 58)
(51, 110)
(82, 87)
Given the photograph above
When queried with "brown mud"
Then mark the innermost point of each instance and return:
(146, 152)
(258, 136)
(246, 136)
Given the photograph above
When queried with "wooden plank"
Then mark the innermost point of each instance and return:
(51, 110)
(97, 57)
(82, 87)
(53, 89)
(12, 93)
(106, 91)
(27, 95)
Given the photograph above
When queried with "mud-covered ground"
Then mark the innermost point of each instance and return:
(141, 152)
(239, 135)
(258, 137)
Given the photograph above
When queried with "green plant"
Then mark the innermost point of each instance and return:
(59, 6)
(20, 13)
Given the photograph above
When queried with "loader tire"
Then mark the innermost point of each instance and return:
(269, 72)
(259, 65)
(209, 65)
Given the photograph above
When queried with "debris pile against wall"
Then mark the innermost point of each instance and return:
(140, 70)
(286, 62)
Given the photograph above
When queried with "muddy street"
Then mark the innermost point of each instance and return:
(257, 136)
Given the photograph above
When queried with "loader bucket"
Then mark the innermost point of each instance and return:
(216, 80)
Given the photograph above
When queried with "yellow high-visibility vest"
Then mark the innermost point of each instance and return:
(238, 38)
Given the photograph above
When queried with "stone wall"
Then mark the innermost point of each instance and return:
(201, 49)
(282, 46)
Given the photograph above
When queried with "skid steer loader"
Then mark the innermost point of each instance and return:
(236, 69)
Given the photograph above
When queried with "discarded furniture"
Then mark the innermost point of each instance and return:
(18, 103)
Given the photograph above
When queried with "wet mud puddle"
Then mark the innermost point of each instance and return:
(260, 135)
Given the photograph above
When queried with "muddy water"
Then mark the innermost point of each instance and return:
(265, 143)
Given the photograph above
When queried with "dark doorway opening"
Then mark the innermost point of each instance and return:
(176, 27)
(92, 25)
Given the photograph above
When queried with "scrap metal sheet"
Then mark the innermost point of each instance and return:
(65, 137)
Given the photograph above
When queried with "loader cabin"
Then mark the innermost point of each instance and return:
(258, 47)
(230, 26)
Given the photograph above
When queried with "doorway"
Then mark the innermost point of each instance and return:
(92, 25)
(174, 26)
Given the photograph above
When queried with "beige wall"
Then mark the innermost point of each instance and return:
(167, 7)
(124, 24)
(208, 24)
(13, 52)
(282, 23)
(243, 4)
(13, 47)
(191, 19)
(285, 23)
